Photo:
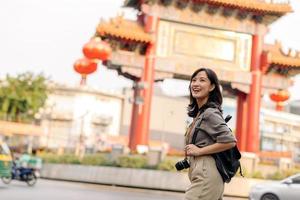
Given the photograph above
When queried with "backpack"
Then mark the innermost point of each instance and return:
(228, 162)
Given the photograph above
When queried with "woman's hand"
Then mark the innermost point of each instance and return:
(192, 150)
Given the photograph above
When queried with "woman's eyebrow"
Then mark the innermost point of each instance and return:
(203, 78)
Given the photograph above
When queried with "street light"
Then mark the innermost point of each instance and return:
(80, 148)
(45, 113)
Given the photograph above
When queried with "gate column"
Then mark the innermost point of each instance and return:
(254, 97)
(241, 122)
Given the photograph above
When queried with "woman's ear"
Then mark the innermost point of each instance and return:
(212, 87)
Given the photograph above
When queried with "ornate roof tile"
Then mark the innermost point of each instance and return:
(262, 6)
(279, 56)
(125, 29)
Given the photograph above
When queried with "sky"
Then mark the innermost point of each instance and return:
(47, 36)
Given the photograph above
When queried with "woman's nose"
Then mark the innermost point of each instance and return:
(196, 83)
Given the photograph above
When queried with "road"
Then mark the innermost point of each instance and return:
(60, 190)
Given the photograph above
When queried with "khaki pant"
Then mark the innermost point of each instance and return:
(206, 182)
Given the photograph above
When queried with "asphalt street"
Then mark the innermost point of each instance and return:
(61, 190)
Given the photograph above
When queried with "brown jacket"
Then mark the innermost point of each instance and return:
(210, 128)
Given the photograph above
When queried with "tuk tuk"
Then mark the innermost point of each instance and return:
(5, 160)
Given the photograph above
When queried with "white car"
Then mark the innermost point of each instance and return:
(287, 189)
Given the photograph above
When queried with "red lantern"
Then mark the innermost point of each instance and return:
(85, 66)
(97, 49)
(279, 98)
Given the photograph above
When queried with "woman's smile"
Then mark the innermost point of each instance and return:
(196, 91)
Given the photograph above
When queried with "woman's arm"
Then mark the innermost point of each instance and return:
(193, 150)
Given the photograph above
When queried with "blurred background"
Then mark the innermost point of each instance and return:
(127, 107)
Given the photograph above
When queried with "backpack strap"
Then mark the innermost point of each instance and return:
(195, 134)
(241, 172)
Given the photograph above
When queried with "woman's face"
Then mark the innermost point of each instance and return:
(201, 86)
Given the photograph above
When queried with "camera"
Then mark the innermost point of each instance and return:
(183, 164)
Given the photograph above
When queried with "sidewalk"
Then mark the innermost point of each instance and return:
(139, 178)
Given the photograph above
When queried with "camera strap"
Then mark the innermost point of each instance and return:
(228, 117)
(194, 124)
(194, 127)
(200, 117)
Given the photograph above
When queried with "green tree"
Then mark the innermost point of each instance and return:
(22, 96)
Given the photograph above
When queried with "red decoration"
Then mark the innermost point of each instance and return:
(85, 66)
(97, 49)
(280, 96)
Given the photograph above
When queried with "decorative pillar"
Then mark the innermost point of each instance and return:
(254, 96)
(134, 115)
(140, 129)
(241, 122)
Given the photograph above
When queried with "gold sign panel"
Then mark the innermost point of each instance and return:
(222, 49)
(204, 46)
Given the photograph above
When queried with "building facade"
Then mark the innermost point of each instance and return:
(74, 116)
(97, 120)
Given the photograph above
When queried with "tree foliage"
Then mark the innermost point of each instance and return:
(22, 96)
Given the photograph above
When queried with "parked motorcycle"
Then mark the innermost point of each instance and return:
(21, 174)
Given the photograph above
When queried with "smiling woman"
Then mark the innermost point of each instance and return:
(208, 134)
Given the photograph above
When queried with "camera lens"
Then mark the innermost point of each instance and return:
(183, 164)
(179, 166)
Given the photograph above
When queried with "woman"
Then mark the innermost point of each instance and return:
(209, 134)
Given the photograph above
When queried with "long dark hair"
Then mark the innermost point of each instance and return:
(215, 98)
